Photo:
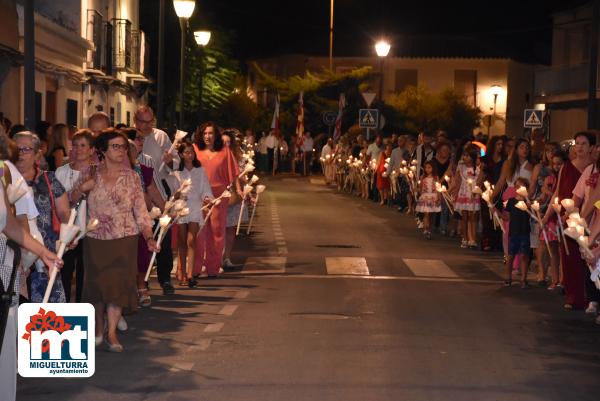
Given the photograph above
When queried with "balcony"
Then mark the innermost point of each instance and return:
(122, 44)
(562, 83)
(99, 32)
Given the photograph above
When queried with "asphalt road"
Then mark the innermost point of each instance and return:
(337, 298)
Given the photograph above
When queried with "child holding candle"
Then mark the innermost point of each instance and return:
(519, 229)
(429, 199)
(188, 226)
(467, 203)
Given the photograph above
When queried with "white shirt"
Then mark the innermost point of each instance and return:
(373, 151)
(395, 160)
(271, 141)
(262, 146)
(326, 150)
(197, 192)
(3, 209)
(25, 205)
(155, 145)
(67, 176)
(308, 144)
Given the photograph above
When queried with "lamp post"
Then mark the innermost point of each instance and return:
(202, 39)
(382, 48)
(495, 90)
(184, 10)
(331, 9)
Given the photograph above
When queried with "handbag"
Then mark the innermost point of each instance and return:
(55, 219)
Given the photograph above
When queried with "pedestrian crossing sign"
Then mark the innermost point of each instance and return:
(368, 118)
(533, 118)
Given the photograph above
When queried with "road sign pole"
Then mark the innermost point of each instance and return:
(368, 134)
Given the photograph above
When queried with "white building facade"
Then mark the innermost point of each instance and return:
(89, 56)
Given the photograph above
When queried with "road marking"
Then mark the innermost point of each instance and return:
(213, 327)
(282, 251)
(399, 278)
(267, 264)
(429, 268)
(317, 181)
(241, 294)
(228, 310)
(347, 265)
(182, 366)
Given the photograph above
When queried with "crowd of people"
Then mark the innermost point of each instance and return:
(122, 179)
(509, 195)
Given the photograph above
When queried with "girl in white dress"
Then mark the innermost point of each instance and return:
(197, 195)
(429, 198)
(466, 202)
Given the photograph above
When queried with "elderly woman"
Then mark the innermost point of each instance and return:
(117, 201)
(52, 204)
(77, 179)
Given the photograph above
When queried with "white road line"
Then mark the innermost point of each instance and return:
(429, 268)
(267, 264)
(182, 366)
(282, 251)
(213, 327)
(241, 294)
(204, 343)
(347, 265)
(228, 310)
(398, 278)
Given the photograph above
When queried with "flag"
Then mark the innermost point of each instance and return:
(300, 121)
(338, 121)
(275, 122)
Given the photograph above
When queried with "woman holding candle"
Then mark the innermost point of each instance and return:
(574, 268)
(383, 181)
(117, 201)
(519, 230)
(584, 198)
(222, 170)
(491, 165)
(199, 193)
(77, 179)
(52, 204)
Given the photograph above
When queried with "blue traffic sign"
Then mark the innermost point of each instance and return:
(533, 118)
(368, 118)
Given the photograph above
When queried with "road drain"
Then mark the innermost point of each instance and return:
(321, 316)
(342, 246)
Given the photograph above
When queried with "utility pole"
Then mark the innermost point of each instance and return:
(29, 64)
(160, 90)
(331, 36)
(593, 77)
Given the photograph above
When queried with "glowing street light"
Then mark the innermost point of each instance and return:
(184, 8)
(202, 37)
(382, 48)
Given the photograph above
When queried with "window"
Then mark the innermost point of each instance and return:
(129, 119)
(465, 83)
(72, 112)
(404, 79)
(112, 116)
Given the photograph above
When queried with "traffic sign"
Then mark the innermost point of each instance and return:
(533, 118)
(368, 97)
(368, 118)
(329, 118)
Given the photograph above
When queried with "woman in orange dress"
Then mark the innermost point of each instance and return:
(383, 181)
(222, 171)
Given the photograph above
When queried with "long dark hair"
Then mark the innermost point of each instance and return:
(513, 162)
(181, 148)
(491, 146)
(199, 136)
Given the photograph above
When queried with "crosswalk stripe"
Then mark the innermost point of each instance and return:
(429, 268)
(347, 265)
(267, 264)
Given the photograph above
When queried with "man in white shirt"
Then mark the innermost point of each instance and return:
(271, 143)
(375, 149)
(328, 165)
(307, 150)
(157, 145)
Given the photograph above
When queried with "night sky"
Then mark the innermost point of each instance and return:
(261, 28)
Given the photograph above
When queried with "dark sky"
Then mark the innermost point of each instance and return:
(261, 28)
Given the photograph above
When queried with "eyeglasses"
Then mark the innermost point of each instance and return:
(119, 146)
(25, 150)
(139, 120)
(140, 138)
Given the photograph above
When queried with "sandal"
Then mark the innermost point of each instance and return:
(183, 282)
(143, 297)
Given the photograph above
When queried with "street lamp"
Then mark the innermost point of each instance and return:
(202, 37)
(382, 48)
(184, 10)
(495, 90)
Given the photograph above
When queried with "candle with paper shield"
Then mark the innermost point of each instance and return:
(246, 192)
(254, 179)
(568, 204)
(67, 234)
(163, 223)
(557, 208)
(16, 191)
(248, 168)
(259, 190)
(91, 226)
(179, 135)
(155, 213)
(522, 191)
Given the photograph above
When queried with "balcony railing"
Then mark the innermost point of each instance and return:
(122, 44)
(562, 80)
(95, 34)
